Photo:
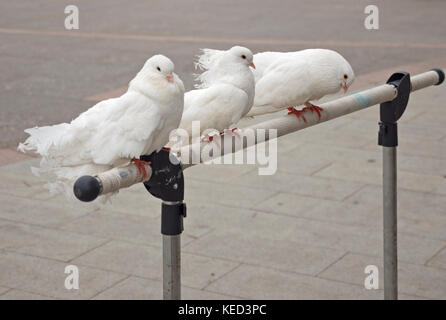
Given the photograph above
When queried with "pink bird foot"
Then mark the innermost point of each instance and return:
(140, 164)
(313, 108)
(298, 113)
(232, 132)
(210, 138)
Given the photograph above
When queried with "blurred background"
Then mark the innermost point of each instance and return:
(50, 74)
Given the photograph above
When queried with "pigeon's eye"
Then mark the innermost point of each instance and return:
(345, 76)
(243, 56)
(158, 68)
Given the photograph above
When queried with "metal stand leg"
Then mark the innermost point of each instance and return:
(167, 184)
(172, 267)
(390, 224)
(390, 112)
(172, 214)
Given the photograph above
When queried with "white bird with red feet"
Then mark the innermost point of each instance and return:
(285, 80)
(225, 94)
(113, 132)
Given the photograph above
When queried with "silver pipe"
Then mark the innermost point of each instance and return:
(172, 267)
(122, 177)
(390, 223)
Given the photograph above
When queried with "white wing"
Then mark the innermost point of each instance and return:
(284, 84)
(128, 134)
(217, 107)
(263, 60)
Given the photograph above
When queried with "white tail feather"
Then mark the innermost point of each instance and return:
(205, 61)
(51, 143)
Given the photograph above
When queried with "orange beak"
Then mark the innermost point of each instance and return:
(169, 78)
(252, 65)
(345, 87)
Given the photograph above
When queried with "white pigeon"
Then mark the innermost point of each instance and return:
(113, 132)
(289, 79)
(226, 92)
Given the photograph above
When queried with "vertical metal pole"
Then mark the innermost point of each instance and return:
(390, 224)
(172, 267)
(390, 112)
(172, 214)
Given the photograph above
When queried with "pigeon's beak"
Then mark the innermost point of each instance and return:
(252, 65)
(345, 87)
(169, 78)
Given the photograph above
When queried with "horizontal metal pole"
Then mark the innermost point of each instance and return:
(126, 176)
(332, 109)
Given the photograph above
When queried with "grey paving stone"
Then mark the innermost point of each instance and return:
(370, 128)
(46, 277)
(45, 242)
(205, 192)
(407, 199)
(135, 200)
(439, 260)
(415, 280)
(146, 262)
(418, 147)
(297, 162)
(425, 165)
(335, 233)
(428, 224)
(363, 239)
(44, 213)
(3, 290)
(249, 249)
(135, 288)
(333, 152)
(260, 283)
(15, 294)
(436, 119)
(372, 174)
(339, 138)
(248, 222)
(25, 187)
(120, 226)
(217, 173)
(323, 188)
(319, 209)
(441, 189)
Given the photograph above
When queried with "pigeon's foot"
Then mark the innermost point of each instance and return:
(210, 138)
(166, 149)
(313, 108)
(232, 132)
(298, 113)
(140, 164)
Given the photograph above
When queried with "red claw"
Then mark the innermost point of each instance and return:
(140, 164)
(313, 108)
(298, 113)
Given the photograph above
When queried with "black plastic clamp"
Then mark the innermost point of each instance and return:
(391, 111)
(440, 76)
(167, 184)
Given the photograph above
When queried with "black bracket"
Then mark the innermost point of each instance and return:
(391, 111)
(167, 184)
(440, 76)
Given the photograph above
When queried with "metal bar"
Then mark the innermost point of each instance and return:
(172, 267)
(113, 180)
(332, 109)
(390, 223)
